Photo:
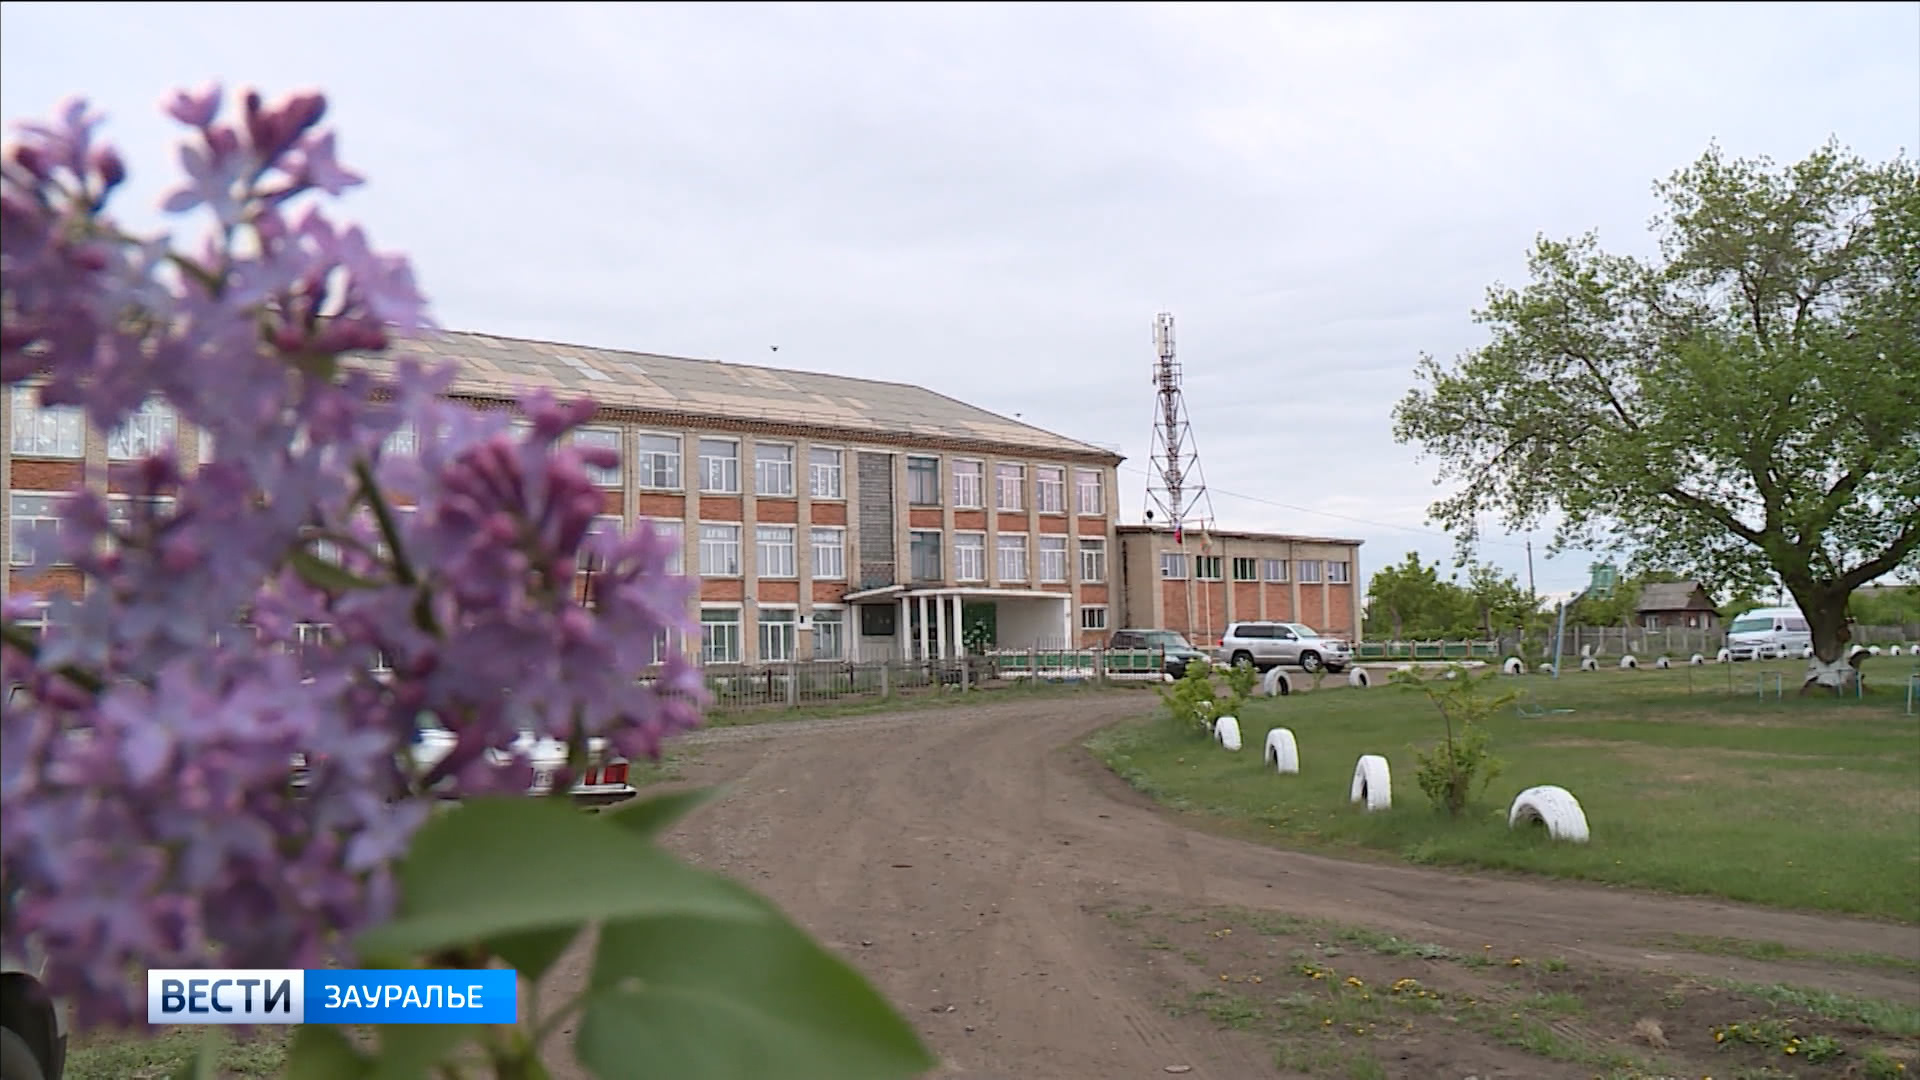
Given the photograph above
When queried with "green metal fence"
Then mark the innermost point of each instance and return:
(1427, 650)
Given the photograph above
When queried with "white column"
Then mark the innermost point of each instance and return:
(1066, 622)
(906, 621)
(940, 627)
(959, 630)
(925, 618)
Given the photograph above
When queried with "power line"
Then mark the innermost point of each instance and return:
(1331, 514)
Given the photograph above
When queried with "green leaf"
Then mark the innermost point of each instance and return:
(206, 1057)
(493, 867)
(322, 574)
(697, 998)
(322, 1052)
(410, 1051)
(532, 952)
(647, 817)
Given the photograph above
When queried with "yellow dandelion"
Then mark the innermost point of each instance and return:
(1793, 1049)
(1719, 1036)
(1328, 1022)
(1516, 962)
(1256, 978)
(1223, 978)
(1354, 981)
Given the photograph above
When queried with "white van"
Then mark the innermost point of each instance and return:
(1769, 634)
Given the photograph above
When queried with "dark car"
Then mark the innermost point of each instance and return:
(1177, 649)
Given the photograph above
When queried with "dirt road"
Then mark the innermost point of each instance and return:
(963, 858)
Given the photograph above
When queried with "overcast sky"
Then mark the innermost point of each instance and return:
(995, 201)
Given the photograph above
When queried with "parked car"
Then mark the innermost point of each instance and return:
(1768, 634)
(1275, 644)
(605, 781)
(1178, 650)
(33, 1028)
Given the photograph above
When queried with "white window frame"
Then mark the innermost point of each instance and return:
(676, 528)
(1218, 564)
(939, 555)
(65, 428)
(1003, 550)
(717, 545)
(774, 553)
(707, 651)
(603, 438)
(1309, 571)
(1050, 557)
(828, 475)
(837, 618)
(1050, 495)
(1093, 559)
(1233, 568)
(1093, 617)
(1337, 572)
(151, 428)
(1009, 485)
(933, 487)
(1273, 571)
(830, 558)
(403, 441)
(39, 620)
(1173, 566)
(970, 559)
(1085, 480)
(969, 483)
(601, 524)
(50, 513)
(773, 477)
(728, 468)
(767, 623)
(650, 461)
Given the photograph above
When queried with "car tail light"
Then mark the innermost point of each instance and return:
(614, 774)
(592, 777)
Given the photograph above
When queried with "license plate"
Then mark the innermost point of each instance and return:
(542, 778)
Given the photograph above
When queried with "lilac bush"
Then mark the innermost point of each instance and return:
(146, 815)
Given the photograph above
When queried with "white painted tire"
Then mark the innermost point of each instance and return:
(1404, 669)
(1554, 807)
(1514, 666)
(1697, 660)
(1873, 650)
(1282, 752)
(1276, 683)
(1358, 678)
(1857, 650)
(1663, 663)
(1628, 663)
(1806, 653)
(1372, 783)
(1894, 650)
(1227, 730)
(1587, 663)
(1724, 657)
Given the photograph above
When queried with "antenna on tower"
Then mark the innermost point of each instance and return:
(1176, 486)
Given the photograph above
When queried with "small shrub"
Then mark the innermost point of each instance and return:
(1240, 683)
(1192, 699)
(1450, 773)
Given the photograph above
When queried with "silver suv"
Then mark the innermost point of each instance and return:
(1273, 644)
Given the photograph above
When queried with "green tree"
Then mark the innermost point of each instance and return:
(1742, 407)
(1497, 600)
(1890, 606)
(1417, 602)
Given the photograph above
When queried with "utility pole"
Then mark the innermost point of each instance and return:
(1531, 595)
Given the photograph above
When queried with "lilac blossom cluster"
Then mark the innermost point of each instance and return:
(147, 817)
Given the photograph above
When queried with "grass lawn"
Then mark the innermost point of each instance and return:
(1798, 802)
(909, 701)
(122, 1057)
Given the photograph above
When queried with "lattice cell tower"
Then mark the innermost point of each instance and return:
(1176, 486)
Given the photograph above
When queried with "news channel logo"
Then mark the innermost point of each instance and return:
(289, 996)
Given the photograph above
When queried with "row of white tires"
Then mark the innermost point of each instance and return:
(1553, 807)
(1277, 683)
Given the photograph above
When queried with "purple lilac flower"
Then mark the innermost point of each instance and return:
(146, 813)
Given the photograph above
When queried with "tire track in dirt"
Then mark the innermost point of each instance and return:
(962, 858)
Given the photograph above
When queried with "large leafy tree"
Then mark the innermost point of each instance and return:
(1742, 408)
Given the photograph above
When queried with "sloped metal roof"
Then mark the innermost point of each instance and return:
(502, 367)
(1672, 596)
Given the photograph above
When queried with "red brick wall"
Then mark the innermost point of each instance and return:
(722, 589)
(970, 520)
(721, 508)
(46, 582)
(924, 519)
(613, 501)
(833, 513)
(1279, 602)
(1246, 600)
(1054, 525)
(1340, 618)
(1312, 610)
(35, 475)
(779, 592)
(1013, 523)
(1093, 526)
(828, 592)
(671, 507)
(776, 511)
(1093, 594)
